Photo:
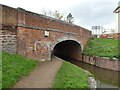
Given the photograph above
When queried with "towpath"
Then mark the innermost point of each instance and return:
(42, 76)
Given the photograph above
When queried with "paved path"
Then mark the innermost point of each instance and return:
(42, 76)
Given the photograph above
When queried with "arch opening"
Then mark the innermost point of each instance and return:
(68, 50)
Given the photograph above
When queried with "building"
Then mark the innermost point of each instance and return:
(97, 30)
(117, 12)
(108, 31)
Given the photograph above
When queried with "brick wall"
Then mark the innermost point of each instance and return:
(8, 40)
(38, 21)
(31, 19)
(102, 62)
(8, 29)
(27, 38)
(9, 16)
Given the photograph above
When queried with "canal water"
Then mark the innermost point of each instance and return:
(104, 78)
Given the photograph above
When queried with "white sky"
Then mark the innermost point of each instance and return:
(78, 8)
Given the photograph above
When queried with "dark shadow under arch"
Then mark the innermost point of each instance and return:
(68, 49)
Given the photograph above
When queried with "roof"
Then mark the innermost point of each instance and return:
(117, 10)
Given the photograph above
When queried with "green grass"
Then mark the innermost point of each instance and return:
(70, 76)
(103, 48)
(14, 67)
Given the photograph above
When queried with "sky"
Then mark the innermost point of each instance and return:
(86, 13)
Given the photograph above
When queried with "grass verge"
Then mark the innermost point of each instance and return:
(103, 48)
(14, 67)
(71, 76)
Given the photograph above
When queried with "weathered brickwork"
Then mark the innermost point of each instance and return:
(37, 44)
(27, 33)
(8, 41)
(9, 16)
(8, 29)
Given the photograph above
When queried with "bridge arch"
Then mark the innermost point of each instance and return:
(67, 48)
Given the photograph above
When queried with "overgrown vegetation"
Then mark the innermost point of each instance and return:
(71, 76)
(103, 48)
(14, 67)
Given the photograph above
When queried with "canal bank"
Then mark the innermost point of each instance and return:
(105, 78)
(102, 62)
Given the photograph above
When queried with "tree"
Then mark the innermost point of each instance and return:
(69, 18)
(57, 15)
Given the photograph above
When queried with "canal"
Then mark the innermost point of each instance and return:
(104, 78)
(69, 49)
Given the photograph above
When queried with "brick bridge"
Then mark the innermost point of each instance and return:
(38, 36)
